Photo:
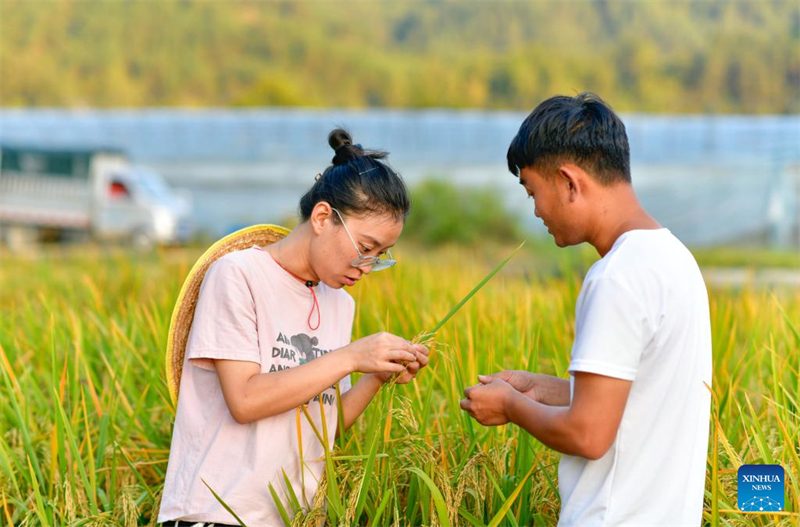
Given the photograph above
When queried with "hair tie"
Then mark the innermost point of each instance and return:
(356, 146)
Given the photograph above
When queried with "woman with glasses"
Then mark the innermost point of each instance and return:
(270, 350)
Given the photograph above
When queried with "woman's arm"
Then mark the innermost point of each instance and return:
(357, 398)
(251, 395)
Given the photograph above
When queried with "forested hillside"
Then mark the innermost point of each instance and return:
(741, 57)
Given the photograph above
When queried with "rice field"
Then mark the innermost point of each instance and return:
(85, 414)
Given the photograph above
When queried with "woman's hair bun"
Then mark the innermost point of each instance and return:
(339, 137)
(358, 182)
(342, 144)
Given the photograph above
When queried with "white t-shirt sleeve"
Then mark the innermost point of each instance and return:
(611, 330)
(224, 325)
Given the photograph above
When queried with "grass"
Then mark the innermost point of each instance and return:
(85, 415)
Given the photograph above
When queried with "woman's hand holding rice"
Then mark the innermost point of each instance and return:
(381, 352)
(412, 368)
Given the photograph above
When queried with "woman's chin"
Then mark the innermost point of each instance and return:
(333, 284)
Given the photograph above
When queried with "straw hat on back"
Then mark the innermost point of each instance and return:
(183, 314)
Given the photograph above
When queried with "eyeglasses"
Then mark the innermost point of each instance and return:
(376, 262)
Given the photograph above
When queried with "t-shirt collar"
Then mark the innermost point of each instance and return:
(281, 274)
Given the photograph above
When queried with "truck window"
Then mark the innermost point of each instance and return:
(53, 163)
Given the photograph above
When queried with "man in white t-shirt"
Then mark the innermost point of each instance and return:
(632, 420)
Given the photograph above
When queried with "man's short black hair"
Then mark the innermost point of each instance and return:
(583, 130)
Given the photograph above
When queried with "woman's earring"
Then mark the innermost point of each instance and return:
(317, 177)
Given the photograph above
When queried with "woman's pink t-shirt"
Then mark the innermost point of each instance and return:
(250, 309)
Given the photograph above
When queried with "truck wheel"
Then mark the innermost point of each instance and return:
(20, 238)
(142, 240)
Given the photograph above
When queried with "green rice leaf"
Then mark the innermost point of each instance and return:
(474, 290)
(502, 495)
(294, 503)
(278, 505)
(376, 520)
(471, 518)
(510, 500)
(367, 480)
(438, 500)
(39, 509)
(226, 506)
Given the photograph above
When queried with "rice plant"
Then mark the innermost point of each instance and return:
(85, 415)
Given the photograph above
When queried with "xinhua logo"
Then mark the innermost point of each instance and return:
(760, 488)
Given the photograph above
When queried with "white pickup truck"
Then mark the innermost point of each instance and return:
(96, 191)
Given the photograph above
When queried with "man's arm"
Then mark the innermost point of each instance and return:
(586, 428)
(546, 389)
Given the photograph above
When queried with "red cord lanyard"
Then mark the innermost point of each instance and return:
(315, 303)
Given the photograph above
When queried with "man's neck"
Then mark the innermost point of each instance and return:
(619, 213)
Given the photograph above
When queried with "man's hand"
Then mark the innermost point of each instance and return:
(522, 381)
(545, 389)
(586, 428)
(487, 402)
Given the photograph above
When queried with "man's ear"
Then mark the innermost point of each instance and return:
(571, 179)
(321, 213)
